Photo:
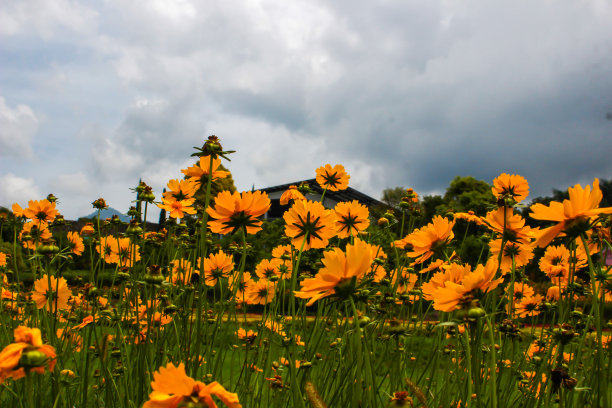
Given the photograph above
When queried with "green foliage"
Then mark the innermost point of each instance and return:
(393, 196)
(467, 193)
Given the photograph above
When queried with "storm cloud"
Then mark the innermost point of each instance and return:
(402, 93)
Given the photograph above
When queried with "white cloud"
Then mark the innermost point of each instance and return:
(72, 184)
(47, 18)
(17, 189)
(17, 128)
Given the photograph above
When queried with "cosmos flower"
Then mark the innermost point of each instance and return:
(451, 294)
(76, 243)
(426, 240)
(40, 212)
(351, 218)
(521, 253)
(267, 268)
(573, 215)
(27, 353)
(339, 267)
(505, 221)
(233, 211)
(510, 186)
(198, 173)
(51, 292)
(177, 208)
(333, 178)
(261, 292)
(217, 266)
(180, 190)
(292, 193)
(309, 224)
(172, 387)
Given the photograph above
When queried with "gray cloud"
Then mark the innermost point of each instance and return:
(405, 93)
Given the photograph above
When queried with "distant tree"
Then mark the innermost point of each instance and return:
(433, 205)
(467, 193)
(162, 216)
(393, 196)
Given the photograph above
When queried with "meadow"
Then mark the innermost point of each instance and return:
(325, 307)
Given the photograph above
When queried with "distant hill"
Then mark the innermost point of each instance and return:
(108, 213)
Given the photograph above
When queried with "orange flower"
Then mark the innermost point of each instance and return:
(199, 172)
(505, 221)
(555, 262)
(2, 259)
(449, 296)
(339, 268)
(426, 240)
(217, 266)
(282, 251)
(180, 190)
(309, 224)
(510, 186)
(469, 216)
(40, 212)
(76, 243)
(261, 292)
(351, 218)
(292, 193)
(51, 292)
(242, 284)
(27, 353)
(125, 252)
(572, 215)
(119, 251)
(268, 268)
(181, 271)
(333, 178)
(172, 387)
(177, 208)
(237, 210)
(17, 210)
(529, 306)
(35, 234)
(104, 248)
(88, 229)
(521, 253)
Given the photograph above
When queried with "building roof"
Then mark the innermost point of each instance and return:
(349, 194)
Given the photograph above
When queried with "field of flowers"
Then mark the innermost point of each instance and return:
(341, 308)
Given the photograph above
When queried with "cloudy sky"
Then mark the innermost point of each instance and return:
(95, 95)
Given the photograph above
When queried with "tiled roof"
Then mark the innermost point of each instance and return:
(349, 194)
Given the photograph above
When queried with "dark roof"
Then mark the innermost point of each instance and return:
(349, 194)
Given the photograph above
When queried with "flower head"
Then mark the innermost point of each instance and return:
(510, 186)
(233, 211)
(40, 212)
(27, 353)
(426, 240)
(292, 193)
(177, 208)
(339, 268)
(198, 174)
(333, 178)
(217, 266)
(51, 292)
(572, 216)
(309, 224)
(461, 287)
(172, 387)
(180, 190)
(76, 243)
(351, 218)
